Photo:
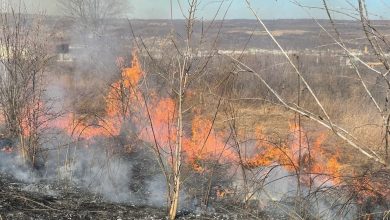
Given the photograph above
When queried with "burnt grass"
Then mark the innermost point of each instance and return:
(18, 203)
(20, 200)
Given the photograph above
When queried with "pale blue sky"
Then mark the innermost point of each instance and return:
(267, 9)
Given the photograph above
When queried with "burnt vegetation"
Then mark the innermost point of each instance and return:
(103, 117)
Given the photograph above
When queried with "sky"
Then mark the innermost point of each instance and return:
(266, 9)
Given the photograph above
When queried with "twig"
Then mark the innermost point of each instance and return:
(292, 64)
(38, 203)
(327, 122)
(291, 213)
(340, 132)
(97, 211)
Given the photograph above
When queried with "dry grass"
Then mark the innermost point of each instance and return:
(276, 33)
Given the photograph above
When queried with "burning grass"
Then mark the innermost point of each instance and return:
(223, 164)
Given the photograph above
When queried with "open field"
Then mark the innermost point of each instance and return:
(193, 119)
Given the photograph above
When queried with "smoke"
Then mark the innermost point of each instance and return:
(279, 185)
(157, 193)
(94, 169)
(99, 165)
(282, 192)
(13, 165)
(99, 173)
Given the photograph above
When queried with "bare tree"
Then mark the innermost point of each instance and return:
(93, 14)
(24, 57)
(180, 70)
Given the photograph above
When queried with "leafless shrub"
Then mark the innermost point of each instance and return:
(93, 15)
(24, 58)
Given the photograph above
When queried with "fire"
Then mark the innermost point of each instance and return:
(163, 119)
(157, 124)
(125, 104)
(298, 154)
(81, 128)
(371, 187)
(202, 143)
(124, 92)
(119, 100)
(133, 74)
(7, 150)
(33, 118)
(223, 192)
(268, 153)
(154, 123)
(122, 96)
(205, 143)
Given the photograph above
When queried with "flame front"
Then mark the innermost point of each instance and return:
(155, 122)
(121, 94)
(205, 143)
(160, 128)
(297, 155)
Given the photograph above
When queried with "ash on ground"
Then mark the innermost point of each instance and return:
(21, 200)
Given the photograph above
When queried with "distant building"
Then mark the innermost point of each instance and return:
(63, 53)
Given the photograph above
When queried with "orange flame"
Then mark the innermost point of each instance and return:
(124, 102)
(298, 152)
(33, 119)
(7, 150)
(122, 93)
(205, 143)
(268, 153)
(162, 113)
